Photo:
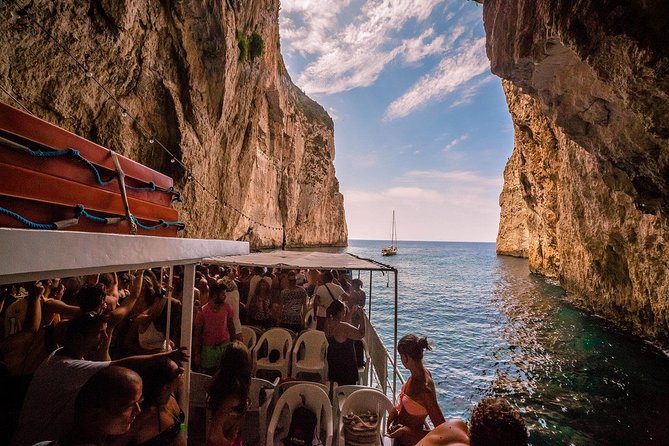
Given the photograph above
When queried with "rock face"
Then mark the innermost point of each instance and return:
(207, 79)
(586, 193)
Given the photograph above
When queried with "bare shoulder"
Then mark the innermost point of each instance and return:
(450, 433)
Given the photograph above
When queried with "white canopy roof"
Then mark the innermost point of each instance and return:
(301, 260)
(28, 254)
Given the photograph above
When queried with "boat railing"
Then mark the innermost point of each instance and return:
(382, 364)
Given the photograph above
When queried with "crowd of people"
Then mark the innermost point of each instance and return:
(95, 359)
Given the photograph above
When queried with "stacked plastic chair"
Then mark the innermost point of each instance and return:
(361, 401)
(249, 336)
(260, 396)
(314, 398)
(272, 352)
(310, 355)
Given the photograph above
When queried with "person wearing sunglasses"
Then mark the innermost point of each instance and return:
(228, 396)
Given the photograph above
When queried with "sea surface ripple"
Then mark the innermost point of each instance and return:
(498, 330)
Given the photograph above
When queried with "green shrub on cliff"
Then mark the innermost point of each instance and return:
(256, 45)
(243, 46)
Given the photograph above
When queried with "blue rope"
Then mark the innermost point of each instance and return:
(81, 211)
(96, 172)
(75, 154)
(162, 224)
(151, 186)
(25, 221)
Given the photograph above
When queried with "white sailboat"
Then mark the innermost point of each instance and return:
(392, 249)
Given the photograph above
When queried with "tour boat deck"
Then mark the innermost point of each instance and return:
(31, 255)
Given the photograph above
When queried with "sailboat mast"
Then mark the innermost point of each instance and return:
(393, 236)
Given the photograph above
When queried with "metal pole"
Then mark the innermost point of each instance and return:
(187, 333)
(370, 345)
(168, 325)
(395, 341)
(369, 310)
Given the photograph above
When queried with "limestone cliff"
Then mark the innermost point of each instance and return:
(207, 79)
(586, 193)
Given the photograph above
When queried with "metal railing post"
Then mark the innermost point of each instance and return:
(395, 341)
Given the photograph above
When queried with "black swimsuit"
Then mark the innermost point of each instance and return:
(342, 364)
(166, 437)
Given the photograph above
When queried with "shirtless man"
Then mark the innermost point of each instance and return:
(494, 421)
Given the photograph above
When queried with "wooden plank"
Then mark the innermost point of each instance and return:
(29, 184)
(79, 172)
(23, 124)
(40, 212)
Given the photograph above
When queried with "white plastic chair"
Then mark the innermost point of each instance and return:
(309, 320)
(255, 434)
(197, 399)
(364, 400)
(277, 339)
(339, 395)
(314, 359)
(363, 372)
(313, 397)
(249, 337)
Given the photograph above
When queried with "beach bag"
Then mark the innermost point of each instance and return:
(360, 429)
(302, 427)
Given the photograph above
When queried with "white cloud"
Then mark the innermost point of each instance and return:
(414, 194)
(467, 95)
(423, 214)
(456, 176)
(307, 26)
(452, 73)
(416, 49)
(333, 113)
(456, 205)
(455, 142)
(406, 195)
(355, 56)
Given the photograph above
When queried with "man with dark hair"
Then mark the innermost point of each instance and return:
(106, 405)
(494, 422)
(324, 295)
(48, 408)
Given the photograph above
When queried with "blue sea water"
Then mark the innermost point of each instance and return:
(498, 330)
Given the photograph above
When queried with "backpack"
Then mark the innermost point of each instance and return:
(302, 427)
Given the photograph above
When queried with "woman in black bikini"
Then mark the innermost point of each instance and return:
(161, 419)
(418, 397)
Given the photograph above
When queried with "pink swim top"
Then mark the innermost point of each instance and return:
(411, 406)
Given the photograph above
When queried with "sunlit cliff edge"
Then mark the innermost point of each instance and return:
(586, 193)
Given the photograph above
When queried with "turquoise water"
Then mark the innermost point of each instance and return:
(498, 330)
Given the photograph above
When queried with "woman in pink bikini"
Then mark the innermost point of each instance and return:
(418, 397)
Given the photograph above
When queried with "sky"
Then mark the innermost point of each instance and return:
(421, 125)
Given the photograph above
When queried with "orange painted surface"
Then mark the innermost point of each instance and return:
(24, 183)
(40, 212)
(46, 190)
(68, 168)
(35, 130)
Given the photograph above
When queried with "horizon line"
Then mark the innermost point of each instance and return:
(416, 240)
